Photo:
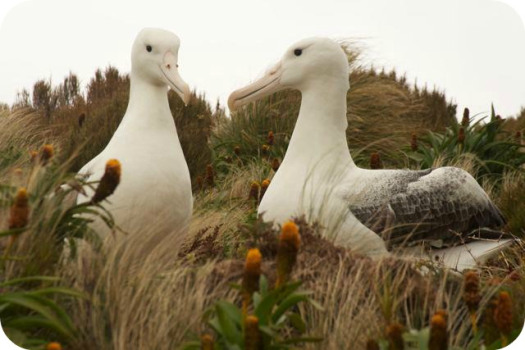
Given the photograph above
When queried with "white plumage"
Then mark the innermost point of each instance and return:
(155, 189)
(319, 179)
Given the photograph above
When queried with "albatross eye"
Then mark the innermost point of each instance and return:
(297, 52)
(149, 48)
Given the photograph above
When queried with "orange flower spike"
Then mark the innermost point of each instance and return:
(108, 182)
(466, 118)
(206, 342)
(46, 154)
(19, 214)
(53, 346)
(254, 191)
(413, 142)
(394, 333)
(438, 339)
(461, 135)
(471, 295)
(252, 335)
(442, 313)
(271, 138)
(200, 182)
(265, 149)
(375, 161)
(252, 271)
(287, 250)
(275, 164)
(33, 154)
(372, 344)
(210, 176)
(264, 186)
(503, 316)
(251, 276)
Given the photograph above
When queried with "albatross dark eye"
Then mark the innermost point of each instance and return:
(149, 48)
(297, 52)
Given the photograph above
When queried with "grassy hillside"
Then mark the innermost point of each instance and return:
(147, 291)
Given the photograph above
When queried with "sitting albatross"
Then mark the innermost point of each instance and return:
(319, 179)
(155, 190)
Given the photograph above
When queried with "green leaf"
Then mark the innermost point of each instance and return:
(315, 304)
(38, 305)
(256, 299)
(288, 303)
(263, 285)
(267, 330)
(29, 279)
(228, 323)
(59, 290)
(191, 345)
(302, 340)
(297, 322)
(264, 309)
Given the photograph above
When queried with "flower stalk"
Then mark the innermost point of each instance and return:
(251, 276)
(109, 181)
(289, 242)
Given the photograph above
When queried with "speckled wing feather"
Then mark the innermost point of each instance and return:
(430, 204)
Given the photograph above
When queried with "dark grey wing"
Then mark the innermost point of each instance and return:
(408, 206)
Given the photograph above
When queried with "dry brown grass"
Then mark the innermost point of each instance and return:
(143, 298)
(20, 132)
(146, 291)
(140, 295)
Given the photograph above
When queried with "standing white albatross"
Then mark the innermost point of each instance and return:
(319, 179)
(155, 189)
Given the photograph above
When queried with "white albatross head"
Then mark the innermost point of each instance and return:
(314, 61)
(154, 59)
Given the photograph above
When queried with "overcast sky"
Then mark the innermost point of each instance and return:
(474, 50)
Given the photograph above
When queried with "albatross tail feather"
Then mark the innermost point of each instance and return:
(470, 255)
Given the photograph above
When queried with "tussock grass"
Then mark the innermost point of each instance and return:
(149, 291)
(20, 132)
(139, 292)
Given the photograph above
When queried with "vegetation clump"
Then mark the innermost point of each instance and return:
(236, 280)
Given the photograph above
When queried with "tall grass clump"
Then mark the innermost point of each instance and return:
(41, 215)
(493, 149)
(233, 280)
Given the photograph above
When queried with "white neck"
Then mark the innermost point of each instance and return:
(148, 106)
(320, 131)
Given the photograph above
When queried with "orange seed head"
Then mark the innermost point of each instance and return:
(47, 153)
(503, 313)
(252, 271)
(438, 339)
(206, 342)
(394, 333)
(252, 335)
(471, 294)
(109, 181)
(53, 346)
(19, 213)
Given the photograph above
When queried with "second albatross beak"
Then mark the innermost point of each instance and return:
(264, 86)
(170, 70)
